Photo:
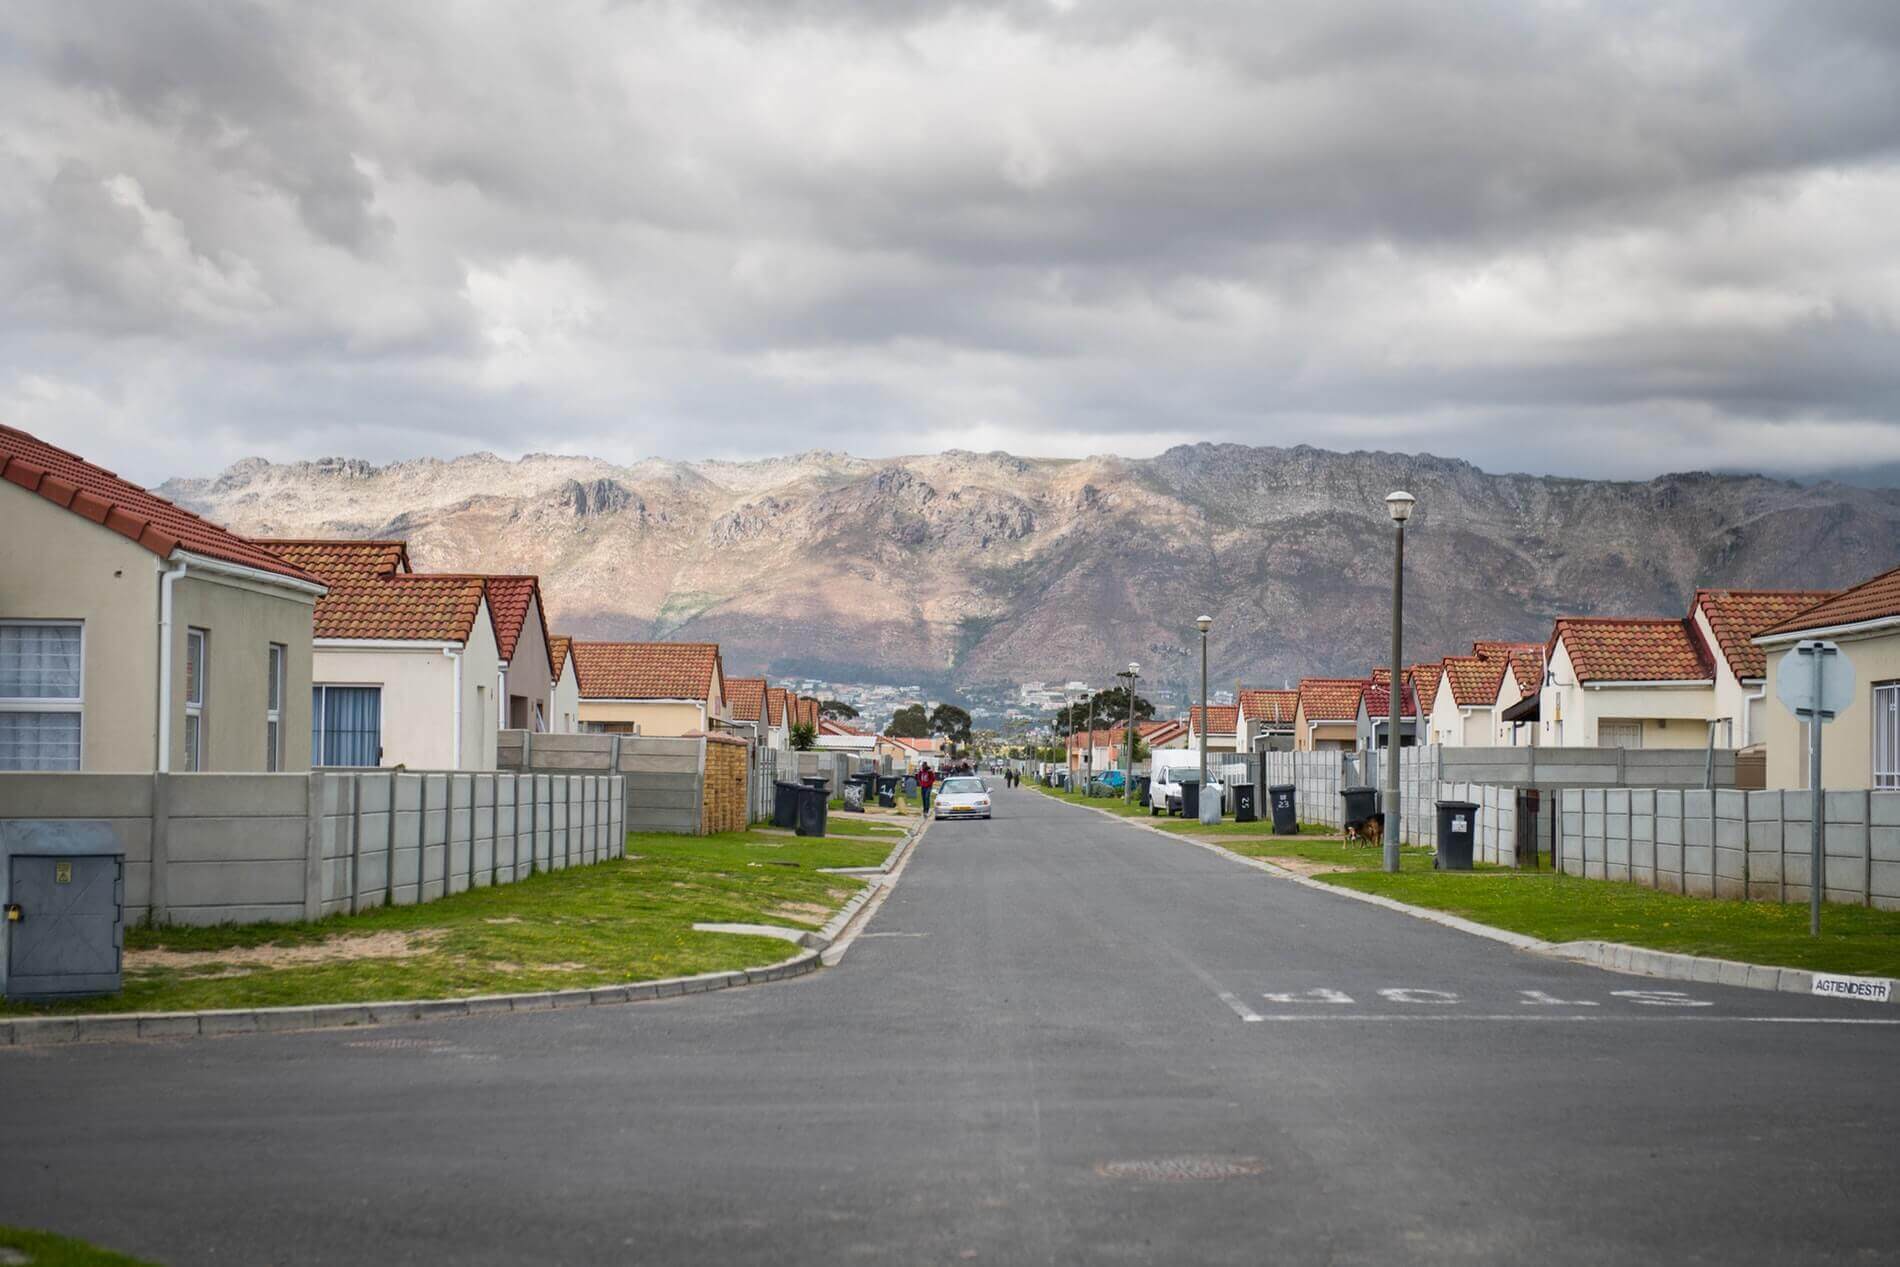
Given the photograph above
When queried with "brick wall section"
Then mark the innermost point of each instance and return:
(723, 799)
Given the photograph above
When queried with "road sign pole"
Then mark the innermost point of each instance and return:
(1817, 859)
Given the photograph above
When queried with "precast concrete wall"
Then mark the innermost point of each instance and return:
(1733, 844)
(246, 848)
(664, 778)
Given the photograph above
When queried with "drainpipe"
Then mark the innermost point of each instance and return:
(456, 656)
(501, 698)
(167, 576)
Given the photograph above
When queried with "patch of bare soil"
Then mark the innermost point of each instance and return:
(800, 910)
(1306, 866)
(390, 945)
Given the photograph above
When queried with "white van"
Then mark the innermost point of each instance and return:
(1171, 765)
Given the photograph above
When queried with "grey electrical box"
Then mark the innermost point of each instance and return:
(64, 903)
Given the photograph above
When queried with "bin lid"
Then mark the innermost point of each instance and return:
(1464, 805)
(1280, 787)
(1349, 791)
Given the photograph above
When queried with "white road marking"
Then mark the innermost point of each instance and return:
(1405, 994)
(1310, 996)
(870, 935)
(1537, 998)
(1660, 998)
(1241, 1010)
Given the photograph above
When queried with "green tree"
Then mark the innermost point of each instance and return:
(1111, 707)
(837, 710)
(804, 736)
(909, 723)
(951, 722)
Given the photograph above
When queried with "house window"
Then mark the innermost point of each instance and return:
(346, 725)
(1619, 734)
(195, 665)
(274, 711)
(1887, 735)
(41, 694)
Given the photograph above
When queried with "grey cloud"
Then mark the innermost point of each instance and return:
(720, 228)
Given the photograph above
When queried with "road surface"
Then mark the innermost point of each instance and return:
(1061, 1040)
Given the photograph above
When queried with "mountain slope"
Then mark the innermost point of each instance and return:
(988, 567)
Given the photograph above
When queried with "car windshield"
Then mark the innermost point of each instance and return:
(964, 785)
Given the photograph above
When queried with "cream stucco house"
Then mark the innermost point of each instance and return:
(564, 716)
(136, 636)
(650, 688)
(1326, 718)
(1266, 719)
(524, 690)
(1626, 682)
(1223, 727)
(1861, 747)
(406, 669)
(1728, 621)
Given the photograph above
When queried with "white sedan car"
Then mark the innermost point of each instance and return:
(962, 797)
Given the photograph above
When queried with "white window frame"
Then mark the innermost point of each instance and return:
(275, 657)
(1621, 725)
(55, 704)
(195, 708)
(1886, 765)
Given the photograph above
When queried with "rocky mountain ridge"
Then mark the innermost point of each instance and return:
(986, 567)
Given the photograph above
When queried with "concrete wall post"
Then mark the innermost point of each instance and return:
(389, 843)
(313, 849)
(158, 907)
(356, 842)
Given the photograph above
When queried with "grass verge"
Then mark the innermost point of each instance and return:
(1558, 908)
(626, 920)
(43, 1249)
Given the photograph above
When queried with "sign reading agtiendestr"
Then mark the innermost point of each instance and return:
(1872, 989)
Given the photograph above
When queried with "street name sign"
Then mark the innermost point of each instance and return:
(1873, 989)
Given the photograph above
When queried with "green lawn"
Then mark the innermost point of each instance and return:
(1567, 908)
(858, 826)
(43, 1249)
(1227, 828)
(625, 920)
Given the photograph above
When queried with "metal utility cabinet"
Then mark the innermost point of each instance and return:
(62, 888)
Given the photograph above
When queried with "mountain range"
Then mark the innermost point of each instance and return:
(984, 568)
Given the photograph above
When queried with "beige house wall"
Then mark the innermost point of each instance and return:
(60, 566)
(418, 683)
(1325, 735)
(655, 718)
(1671, 716)
(241, 620)
(1730, 693)
(1847, 744)
(529, 673)
(565, 717)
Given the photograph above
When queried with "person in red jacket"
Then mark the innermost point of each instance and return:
(926, 779)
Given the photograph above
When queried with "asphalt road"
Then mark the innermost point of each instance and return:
(1062, 1039)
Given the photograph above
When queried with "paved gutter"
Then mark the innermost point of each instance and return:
(1611, 956)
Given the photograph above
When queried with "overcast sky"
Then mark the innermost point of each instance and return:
(1598, 239)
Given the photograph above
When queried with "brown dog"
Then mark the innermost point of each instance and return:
(1371, 832)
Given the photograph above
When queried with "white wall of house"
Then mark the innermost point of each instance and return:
(1650, 714)
(1461, 726)
(1731, 694)
(418, 683)
(564, 716)
(1504, 733)
(1847, 744)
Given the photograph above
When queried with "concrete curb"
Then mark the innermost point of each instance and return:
(835, 927)
(1612, 956)
(30, 1031)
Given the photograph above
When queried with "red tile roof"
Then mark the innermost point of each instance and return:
(560, 647)
(92, 492)
(1474, 680)
(1502, 650)
(747, 697)
(927, 745)
(1222, 719)
(1331, 698)
(1154, 732)
(1737, 616)
(1528, 668)
(339, 559)
(805, 711)
(646, 670)
(1632, 649)
(1426, 677)
(832, 726)
(1275, 707)
(404, 607)
(1111, 739)
(508, 599)
(777, 699)
(1378, 698)
(1874, 599)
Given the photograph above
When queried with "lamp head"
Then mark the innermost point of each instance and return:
(1203, 623)
(1399, 505)
(1134, 670)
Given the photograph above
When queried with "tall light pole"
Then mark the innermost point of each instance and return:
(1399, 506)
(1203, 623)
(1129, 676)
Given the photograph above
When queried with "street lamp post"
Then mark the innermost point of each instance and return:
(1129, 675)
(1399, 506)
(1203, 623)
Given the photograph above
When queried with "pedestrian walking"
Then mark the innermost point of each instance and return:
(926, 779)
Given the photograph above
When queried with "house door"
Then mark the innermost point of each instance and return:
(1619, 734)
